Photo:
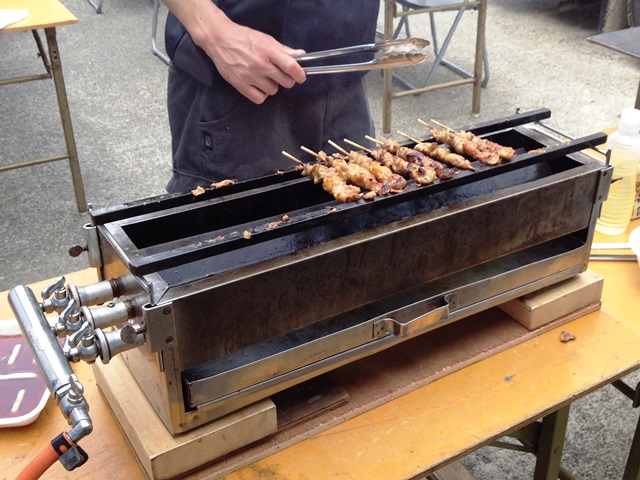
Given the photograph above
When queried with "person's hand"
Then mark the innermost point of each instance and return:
(254, 63)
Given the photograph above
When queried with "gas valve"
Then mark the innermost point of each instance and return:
(83, 323)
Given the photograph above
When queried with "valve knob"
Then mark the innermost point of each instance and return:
(77, 250)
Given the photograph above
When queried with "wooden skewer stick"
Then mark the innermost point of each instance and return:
(358, 146)
(374, 140)
(430, 127)
(291, 157)
(442, 125)
(338, 147)
(308, 150)
(416, 140)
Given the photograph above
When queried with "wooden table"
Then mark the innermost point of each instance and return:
(415, 433)
(47, 15)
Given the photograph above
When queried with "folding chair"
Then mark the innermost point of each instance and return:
(440, 51)
(154, 28)
(97, 5)
(415, 7)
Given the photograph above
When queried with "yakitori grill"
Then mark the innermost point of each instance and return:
(229, 295)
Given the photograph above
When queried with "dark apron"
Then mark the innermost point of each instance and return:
(218, 134)
(311, 25)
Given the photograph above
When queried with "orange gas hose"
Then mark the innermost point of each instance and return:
(39, 464)
(47, 457)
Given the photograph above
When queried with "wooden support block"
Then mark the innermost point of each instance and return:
(163, 455)
(550, 303)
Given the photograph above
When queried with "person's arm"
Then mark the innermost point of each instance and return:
(253, 62)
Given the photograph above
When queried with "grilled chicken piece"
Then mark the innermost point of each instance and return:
(355, 174)
(332, 182)
(414, 156)
(443, 154)
(442, 171)
(505, 153)
(420, 174)
(464, 144)
(382, 173)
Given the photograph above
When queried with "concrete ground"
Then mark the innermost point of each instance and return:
(539, 56)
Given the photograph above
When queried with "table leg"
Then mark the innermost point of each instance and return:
(550, 444)
(63, 105)
(478, 65)
(632, 470)
(387, 75)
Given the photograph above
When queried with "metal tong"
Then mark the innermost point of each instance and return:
(389, 54)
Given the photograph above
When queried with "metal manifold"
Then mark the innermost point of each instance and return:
(219, 300)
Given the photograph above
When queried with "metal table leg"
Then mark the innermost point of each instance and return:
(632, 470)
(65, 116)
(478, 64)
(545, 439)
(550, 444)
(387, 75)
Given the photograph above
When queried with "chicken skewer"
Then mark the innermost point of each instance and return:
(422, 176)
(382, 173)
(332, 181)
(441, 153)
(478, 148)
(462, 145)
(505, 153)
(352, 173)
(414, 156)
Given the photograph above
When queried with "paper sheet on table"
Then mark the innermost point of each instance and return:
(7, 17)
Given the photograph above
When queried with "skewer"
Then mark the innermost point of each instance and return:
(355, 174)
(440, 153)
(430, 127)
(332, 181)
(394, 147)
(409, 137)
(421, 174)
(396, 183)
(374, 140)
(291, 157)
(414, 156)
(487, 149)
(354, 144)
(338, 147)
(425, 156)
(308, 150)
(442, 125)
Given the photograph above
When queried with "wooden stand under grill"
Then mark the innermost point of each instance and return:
(272, 424)
(547, 304)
